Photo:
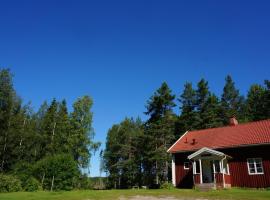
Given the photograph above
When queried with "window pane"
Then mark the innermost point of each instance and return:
(251, 165)
(258, 165)
(258, 160)
(250, 161)
(259, 170)
(251, 170)
(186, 165)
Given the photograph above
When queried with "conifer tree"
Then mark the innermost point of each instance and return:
(188, 119)
(232, 103)
(160, 129)
(255, 102)
(7, 94)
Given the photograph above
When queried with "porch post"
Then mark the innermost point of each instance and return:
(173, 171)
(222, 170)
(200, 161)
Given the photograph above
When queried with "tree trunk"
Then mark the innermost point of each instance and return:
(52, 184)
(42, 181)
(53, 130)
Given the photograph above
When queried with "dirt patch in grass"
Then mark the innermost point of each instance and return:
(158, 198)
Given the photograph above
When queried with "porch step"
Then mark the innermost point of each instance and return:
(205, 186)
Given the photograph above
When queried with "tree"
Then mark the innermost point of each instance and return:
(7, 95)
(81, 137)
(255, 102)
(57, 172)
(161, 102)
(188, 120)
(160, 129)
(232, 103)
(267, 99)
(210, 117)
(48, 126)
(202, 98)
(122, 157)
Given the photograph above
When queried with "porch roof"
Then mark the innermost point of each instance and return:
(205, 151)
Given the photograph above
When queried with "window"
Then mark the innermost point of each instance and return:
(197, 167)
(186, 165)
(255, 166)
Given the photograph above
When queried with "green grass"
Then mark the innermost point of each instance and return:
(237, 194)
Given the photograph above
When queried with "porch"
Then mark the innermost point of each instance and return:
(210, 169)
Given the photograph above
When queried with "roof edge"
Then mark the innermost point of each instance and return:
(168, 151)
(205, 149)
(230, 147)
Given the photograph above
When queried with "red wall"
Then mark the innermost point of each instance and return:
(184, 178)
(239, 176)
(239, 169)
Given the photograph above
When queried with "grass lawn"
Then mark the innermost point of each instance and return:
(237, 194)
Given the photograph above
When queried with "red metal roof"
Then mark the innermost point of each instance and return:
(224, 137)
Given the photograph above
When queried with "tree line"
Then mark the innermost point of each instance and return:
(136, 151)
(45, 149)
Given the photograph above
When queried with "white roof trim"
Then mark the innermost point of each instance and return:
(205, 149)
(177, 141)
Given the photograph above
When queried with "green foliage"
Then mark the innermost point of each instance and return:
(122, 156)
(31, 185)
(159, 135)
(9, 183)
(57, 172)
(81, 137)
(167, 185)
(189, 118)
(232, 103)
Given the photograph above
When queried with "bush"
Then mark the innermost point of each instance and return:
(167, 185)
(31, 185)
(61, 168)
(9, 183)
(24, 171)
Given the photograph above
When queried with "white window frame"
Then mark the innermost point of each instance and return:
(255, 166)
(186, 168)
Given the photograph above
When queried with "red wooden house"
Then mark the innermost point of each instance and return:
(233, 156)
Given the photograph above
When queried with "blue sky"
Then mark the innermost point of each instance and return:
(119, 52)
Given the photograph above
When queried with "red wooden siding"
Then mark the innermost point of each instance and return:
(197, 178)
(239, 176)
(227, 179)
(239, 169)
(184, 178)
(219, 180)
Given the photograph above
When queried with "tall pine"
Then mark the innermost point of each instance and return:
(160, 129)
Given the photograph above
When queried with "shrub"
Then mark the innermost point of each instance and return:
(31, 185)
(24, 171)
(167, 185)
(61, 168)
(9, 183)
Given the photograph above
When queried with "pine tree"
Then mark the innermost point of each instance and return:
(189, 118)
(202, 96)
(160, 131)
(255, 102)
(232, 103)
(62, 129)
(48, 127)
(7, 95)
(210, 117)
(267, 99)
